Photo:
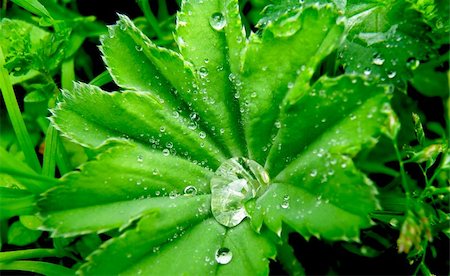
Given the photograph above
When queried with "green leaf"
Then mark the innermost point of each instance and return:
(137, 115)
(284, 57)
(335, 116)
(210, 35)
(33, 6)
(16, 202)
(157, 239)
(29, 179)
(159, 141)
(130, 55)
(127, 181)
(381, 46)
(20, 235)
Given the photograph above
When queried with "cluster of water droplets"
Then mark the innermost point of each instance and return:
(235, 182)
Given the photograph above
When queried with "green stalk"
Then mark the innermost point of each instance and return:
(16, 117)
(101, 79)
(145, 6)
(51, 145)
(28, 254)
(37, 267)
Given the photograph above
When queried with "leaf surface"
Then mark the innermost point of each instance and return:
(283, 57)
(210, 35)
(334, 116)
(85, 116)
(127, 181)
(382, 46)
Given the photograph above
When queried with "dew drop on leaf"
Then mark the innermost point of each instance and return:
(367, 71)
(166, 152)
(392, 74)
(138, 48)
(235, 182)
(224, 255)
(173, 194)
(202, 135)
(190, 190)
(285, 203)
(140, 158)
(203, 72)
(313, 173)
(413, 63)
(217, 21)
(278, 124)
(378, 60)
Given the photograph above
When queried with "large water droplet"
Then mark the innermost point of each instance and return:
(235, 182)
(223, 255)
(217, 21)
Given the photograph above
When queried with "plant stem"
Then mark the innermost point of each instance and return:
(101, 79)
(58, 152)
(146, 9)
(28, 254)
(16, 117)
(37, 267)
(51, 145)
(402, 173)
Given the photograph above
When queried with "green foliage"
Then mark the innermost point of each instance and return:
(219, 141)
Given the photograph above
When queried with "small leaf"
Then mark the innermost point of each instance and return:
(20, 235)
(418, 128)
(33, 6)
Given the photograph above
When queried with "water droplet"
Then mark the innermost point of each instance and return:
(203, 72)
(378, 60)
(173, 194)
(236, 181)
(162, 129)
(155, 171)
(278, 124)
(190, 190)
(192, 125)
(285, 203)
(313, 173)
(224, 255)
(140, 158)
(413, 63)
(391, 74)
(169, 145)
(166, 152)
(217, 21)
(367, 71)
(253, 95)
(138, 48)
(202, 135)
